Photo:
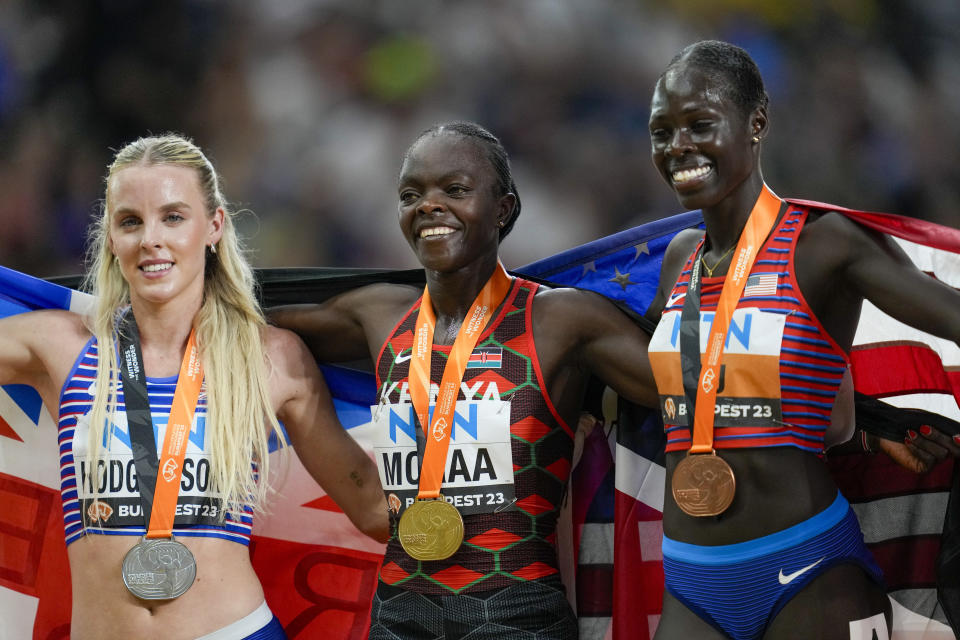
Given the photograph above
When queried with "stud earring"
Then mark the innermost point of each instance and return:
(755, 139)
(502, 224)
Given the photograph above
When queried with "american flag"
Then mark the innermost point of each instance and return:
(760, 284)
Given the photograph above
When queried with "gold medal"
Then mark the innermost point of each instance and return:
(430, 529)
(703, 484)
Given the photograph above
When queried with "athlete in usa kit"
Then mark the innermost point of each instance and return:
(164, 415)
(481, 377)
(756, 317)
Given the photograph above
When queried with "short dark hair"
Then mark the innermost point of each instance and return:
(496, 155)
(741, 79)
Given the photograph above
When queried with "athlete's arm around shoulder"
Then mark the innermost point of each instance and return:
(38, 348)
(873, 266)
(348, 326)
(334, 459)
(583, 329)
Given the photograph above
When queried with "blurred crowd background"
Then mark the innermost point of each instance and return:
(306, 107)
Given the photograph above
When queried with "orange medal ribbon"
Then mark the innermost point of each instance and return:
(761, 221)
(440, 428)
(170, 468)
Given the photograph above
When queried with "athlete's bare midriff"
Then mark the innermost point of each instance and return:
(777, 488)
(225, 590)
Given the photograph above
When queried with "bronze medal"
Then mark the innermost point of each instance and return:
(703, 485)
(430, 529)
(159, 569)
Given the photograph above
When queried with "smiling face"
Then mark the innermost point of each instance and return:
(159, 228)
(701, 141)
(450, 206)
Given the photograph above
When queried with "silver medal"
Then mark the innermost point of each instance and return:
(159, 569)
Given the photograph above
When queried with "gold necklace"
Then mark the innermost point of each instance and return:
(717, 263)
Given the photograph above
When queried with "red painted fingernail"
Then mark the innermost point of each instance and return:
(911, 434)
(926, 430)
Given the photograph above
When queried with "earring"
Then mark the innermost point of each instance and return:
(755, 139)
(116, 259)
(502, 224)
(213, 248)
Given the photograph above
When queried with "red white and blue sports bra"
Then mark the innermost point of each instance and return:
(117, 510)
(781, 371)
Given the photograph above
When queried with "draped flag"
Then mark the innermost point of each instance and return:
(34, 580)
(910, 522)
(319, 573)
(624, 521)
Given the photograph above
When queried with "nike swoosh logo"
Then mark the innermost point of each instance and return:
(788, 578)
(403, 358)
(673, 301)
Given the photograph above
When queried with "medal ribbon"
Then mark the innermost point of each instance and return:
(159, 481)
(762, 218)
(440, 428)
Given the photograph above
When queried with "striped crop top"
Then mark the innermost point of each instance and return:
(781, 371)
(117, 510)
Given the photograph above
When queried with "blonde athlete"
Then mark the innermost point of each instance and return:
(167, 261)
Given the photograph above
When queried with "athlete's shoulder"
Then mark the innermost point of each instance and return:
(381, 297)
(827, 221)
(679, 250)
(832, 234)
(60, 318)
(558, 298)
(279, 342)
(568, 313)
(684, 242)
(56, 328)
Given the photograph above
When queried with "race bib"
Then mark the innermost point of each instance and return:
(115, 478)
(748, 387)
(478, 474)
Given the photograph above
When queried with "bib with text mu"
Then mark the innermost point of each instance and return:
(501, 420)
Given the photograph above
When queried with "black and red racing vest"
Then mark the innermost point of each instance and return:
(508, 463)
